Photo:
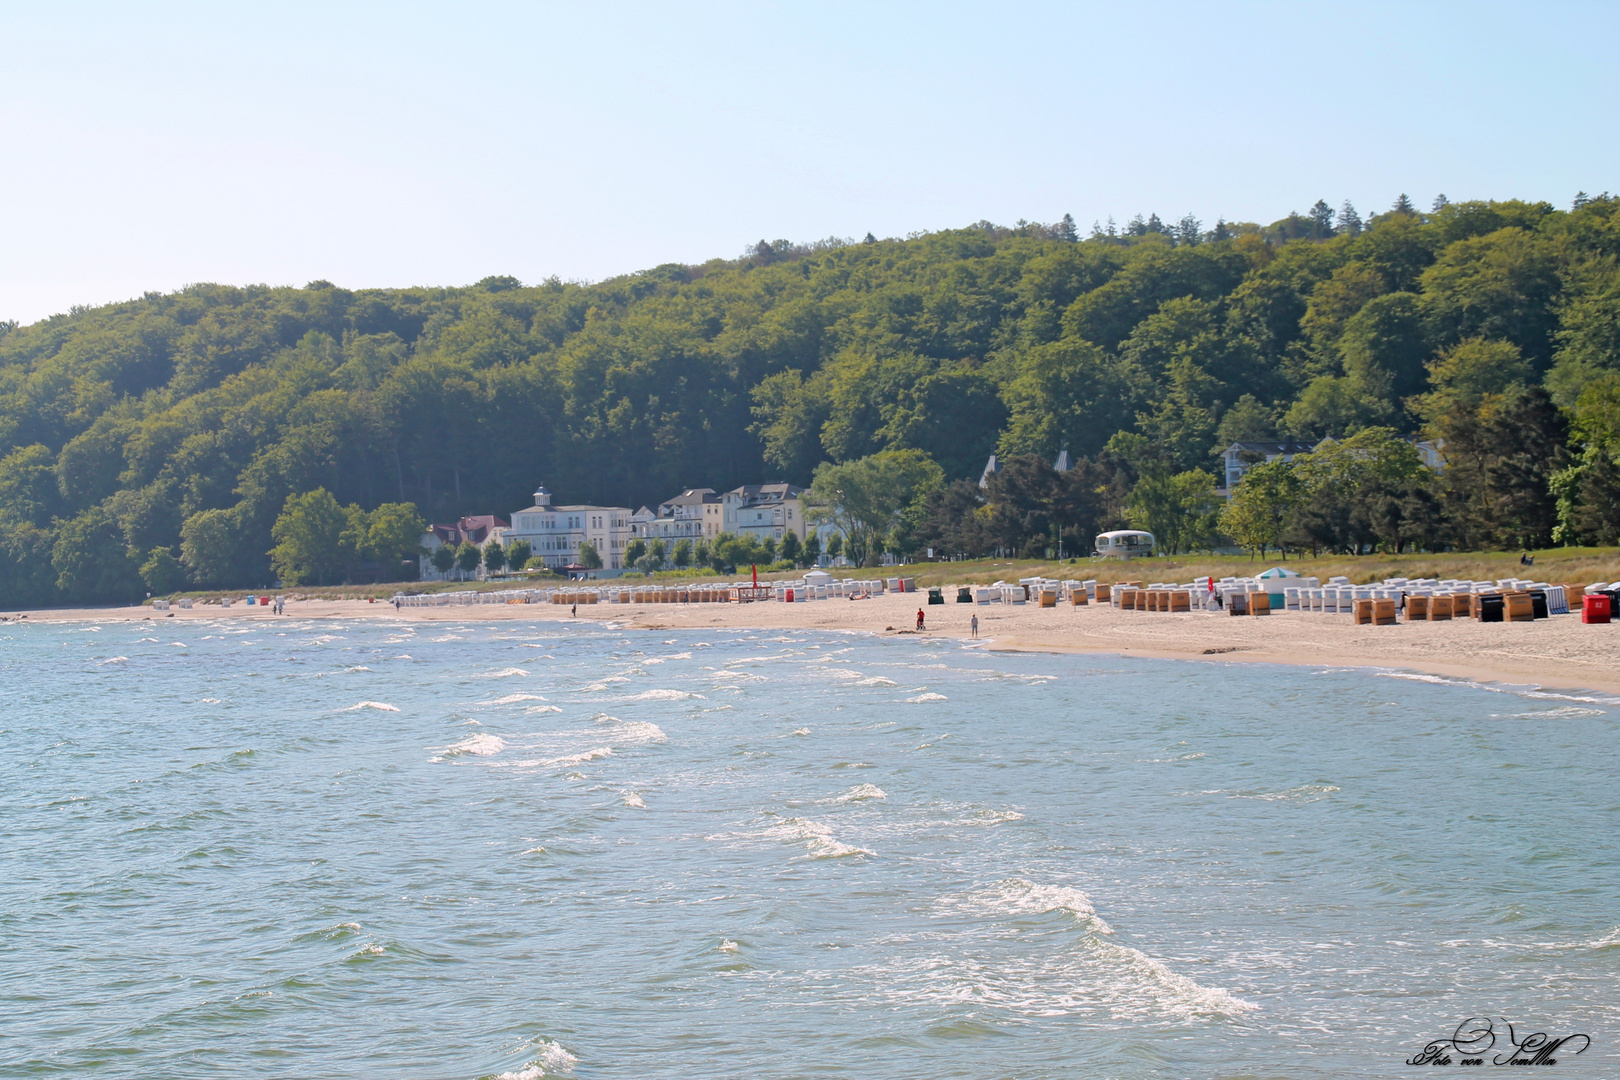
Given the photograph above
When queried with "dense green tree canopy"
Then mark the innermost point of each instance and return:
(185, 421)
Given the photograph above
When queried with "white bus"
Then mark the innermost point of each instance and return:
(1124, 544)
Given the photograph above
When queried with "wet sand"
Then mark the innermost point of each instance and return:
(1559, 652)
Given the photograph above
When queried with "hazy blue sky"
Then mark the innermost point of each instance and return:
(147, 147)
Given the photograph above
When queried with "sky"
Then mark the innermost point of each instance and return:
(147, 147)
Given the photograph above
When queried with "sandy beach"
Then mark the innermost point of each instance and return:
(1559, 652)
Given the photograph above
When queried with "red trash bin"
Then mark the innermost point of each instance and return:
(1595, 608)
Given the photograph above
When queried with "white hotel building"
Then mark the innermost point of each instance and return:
(554, 533)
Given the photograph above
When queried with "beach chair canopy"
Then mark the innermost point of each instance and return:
(1279, 572)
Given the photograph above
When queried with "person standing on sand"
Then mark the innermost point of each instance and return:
(920, 625)
(973, 623)
(574, 611)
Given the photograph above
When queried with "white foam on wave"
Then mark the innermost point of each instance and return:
(550, 1060)
(679, 656)
(876, 680)
(1533, 693)
(800, 731)
(1019, 895)
(662, 695)
(481, 744)
(1095, 971)
(579, 759)
(1558, 712)
(727, 945)
(1303, 793)
(504, 673)
(927, 697)
(818, 840)
(542, 708)
(601, 684)
(513, 699)
(827, 672)
(114, 660)
(635, 801)
(1170, 991)
(381, 706)
(994, 817)
(631, 732)
(859, 793)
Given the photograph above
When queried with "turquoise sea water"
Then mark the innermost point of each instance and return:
(301, 849)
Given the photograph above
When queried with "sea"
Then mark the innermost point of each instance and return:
(311, 849)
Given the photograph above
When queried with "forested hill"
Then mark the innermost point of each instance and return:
(126, 425)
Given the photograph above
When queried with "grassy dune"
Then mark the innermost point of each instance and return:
(1563, 565)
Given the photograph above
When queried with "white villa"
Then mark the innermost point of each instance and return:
(1240, 457)
(764, 510)
(695, 514)
(554, 533)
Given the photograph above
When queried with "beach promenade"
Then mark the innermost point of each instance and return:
(1558, 652)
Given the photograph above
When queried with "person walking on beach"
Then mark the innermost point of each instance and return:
(574, 611)
(973, 623)
(920, 625)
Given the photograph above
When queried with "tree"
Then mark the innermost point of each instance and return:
(1257, 510)
(518, 554)
(1499, 286)
(494, 556)
(443, 558)
(835, 545)
(468, 557)
(162, 572)
(1349, 222)
(812, 549)
(1588, 495)
(790, 548)
(214, 551)
(658, 549)
(1178, 510)
(1246, 421)
(1403, 206)
(865, 498)
(589, 557)
(309, 539)
(682, 555)
(27, 577)
(700, 553)
(393, 534)
(634, 551)
(1188, 231)
(1384, 348)
(1066, 393)
(1351, 492)
(28, 489)
(1321, 221)
(1528, 450)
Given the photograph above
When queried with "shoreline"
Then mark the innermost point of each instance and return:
(1557, 653)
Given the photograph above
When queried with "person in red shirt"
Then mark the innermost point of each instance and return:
(920, 619)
